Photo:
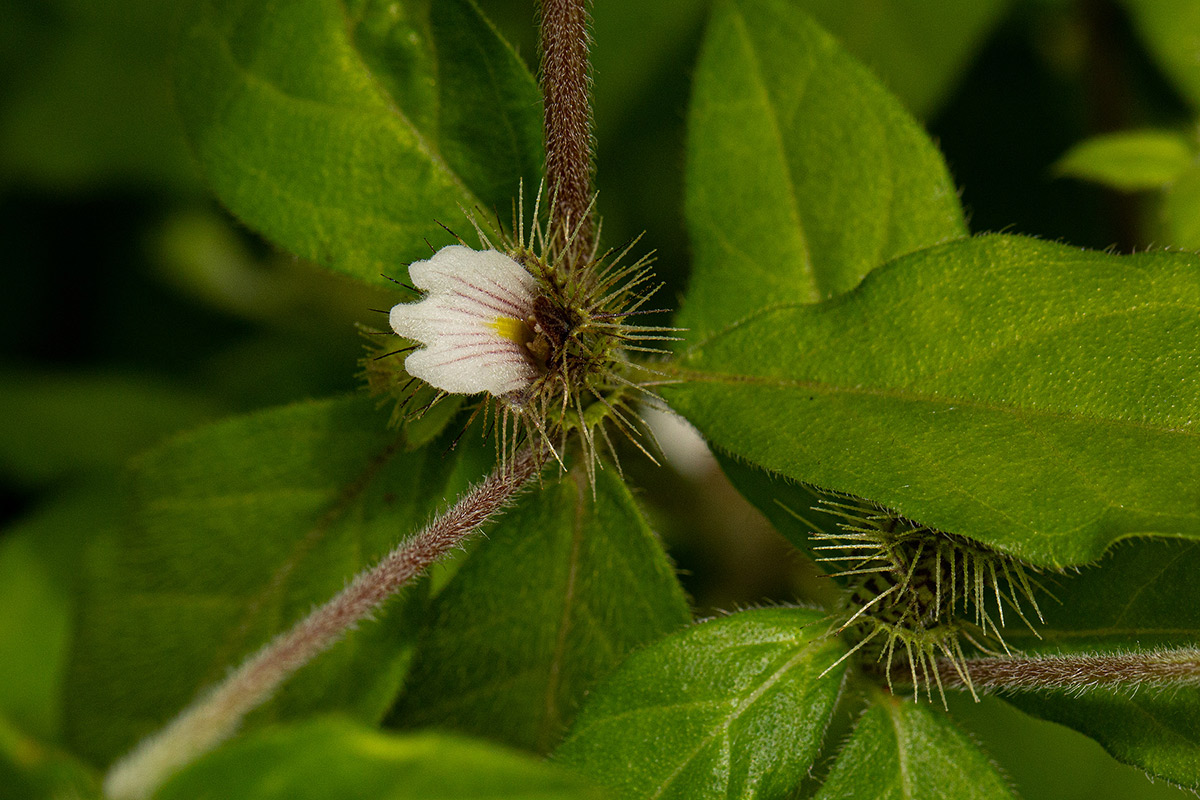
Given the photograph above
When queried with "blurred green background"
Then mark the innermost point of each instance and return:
(132, 306)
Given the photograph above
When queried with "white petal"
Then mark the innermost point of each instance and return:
(490, 278)
(467, 292)
(490, 368)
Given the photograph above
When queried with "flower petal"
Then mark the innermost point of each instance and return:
(472, 298)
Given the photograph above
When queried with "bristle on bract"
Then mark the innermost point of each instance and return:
(583, 338)
(914, 594)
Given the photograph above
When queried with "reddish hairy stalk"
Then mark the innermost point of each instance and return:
(215, 715)
(1078, 671)
(566, 92)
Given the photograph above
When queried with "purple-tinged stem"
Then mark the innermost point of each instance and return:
(216, 714)
(1078, 671)
(567, 95)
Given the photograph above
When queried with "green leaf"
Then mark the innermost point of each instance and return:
(332, 759)
(803, 174)
(1142, 596)
(919, 48)
(559, 593)
(734, 707)
(1130, 160)
(31, 770)
(57, 424)
(1169, 29)
(1181, 211)
(1035, 397)
(235, 532)
(901, 749)
(343, 130)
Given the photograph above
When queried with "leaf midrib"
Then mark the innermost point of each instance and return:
(910, 396)
(785, 169)
(723, 725)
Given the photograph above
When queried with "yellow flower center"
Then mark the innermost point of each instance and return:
(515, 330)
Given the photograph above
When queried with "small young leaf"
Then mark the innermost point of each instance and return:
(1142, 596)
(734, 707)
(1035, 397)
(236, 531)
(332, 759)
(1130, 160)
(803, 173)
(562, 590)
(342, 131)
(901, 749)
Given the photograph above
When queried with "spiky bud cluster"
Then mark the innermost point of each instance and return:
(914, 594)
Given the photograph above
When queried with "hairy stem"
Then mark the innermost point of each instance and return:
(1078, 671)
(216, 714)
(566, 92)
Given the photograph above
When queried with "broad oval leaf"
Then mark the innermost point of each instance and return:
(562, 589)
(1035, 397)
(235, 531)
(1143, 596)
(803, 173)
(333, 759)
(734, 707)
(900, 749)
(342, 129)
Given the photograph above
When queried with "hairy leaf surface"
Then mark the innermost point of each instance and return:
(1038, 398)
(734, 707)
(396, 114)
(559, 593)
(1142, 596)
(803, 173)
(235, 531)
(902, 750)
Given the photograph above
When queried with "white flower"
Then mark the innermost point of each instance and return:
(472, 321)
